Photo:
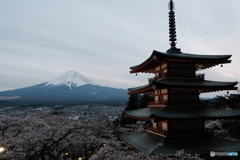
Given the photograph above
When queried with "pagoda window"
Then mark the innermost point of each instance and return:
(164, 91)
(157, 92)
(158, 68)
(156, 99)
(154, 125)
(164, 126)
(165, 97)
(164, 66)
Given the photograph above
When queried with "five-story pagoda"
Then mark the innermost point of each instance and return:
(177, 114)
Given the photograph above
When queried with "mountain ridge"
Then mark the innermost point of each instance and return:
(69, 87)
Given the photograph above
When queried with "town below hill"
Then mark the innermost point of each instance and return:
(78, 112)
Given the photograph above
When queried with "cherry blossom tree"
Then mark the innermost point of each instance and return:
(111, 153)
(42, 136)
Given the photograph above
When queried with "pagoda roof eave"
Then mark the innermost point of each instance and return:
(141, 89)
(139, 118)
(142, 141)
(147, 66)
(192, 144)
(205, 61)
(144, 113)
(187, 56)
(195, 112)
(197, 144)
(192, 83)
(184, 83)
(182, 112)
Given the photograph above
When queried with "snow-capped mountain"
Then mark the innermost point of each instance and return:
(70, 79)
(71, 87)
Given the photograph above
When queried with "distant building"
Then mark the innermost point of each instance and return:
(177, 114)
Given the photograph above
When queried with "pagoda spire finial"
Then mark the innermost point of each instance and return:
(172, 29)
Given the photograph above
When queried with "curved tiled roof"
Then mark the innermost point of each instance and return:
(191, 56)
(192, 83)
(142, 141)
(140, 87)
(195, 112)
(201, 61)
(194, 144)
(183, 112)
(144, 112)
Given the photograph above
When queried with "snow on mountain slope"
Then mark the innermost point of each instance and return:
(70, 78)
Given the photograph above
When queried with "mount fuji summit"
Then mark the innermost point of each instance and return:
(69, 88)
(70, 79)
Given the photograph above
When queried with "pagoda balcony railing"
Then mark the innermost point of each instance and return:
(160, 102)
(187, 75)
(157, 77)
(156, 130)
(181, 75)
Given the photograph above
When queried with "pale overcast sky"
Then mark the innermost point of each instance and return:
(101, 39)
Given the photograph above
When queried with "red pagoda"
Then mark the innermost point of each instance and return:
(177, 115)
